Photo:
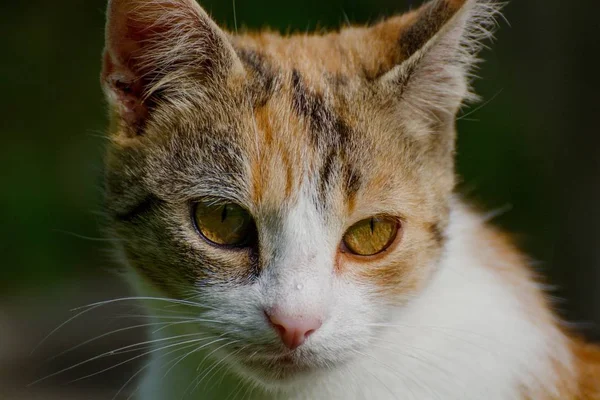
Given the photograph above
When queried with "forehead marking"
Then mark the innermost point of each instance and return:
(275, 151)
(330, 134)
(326, 127)
(263, 85)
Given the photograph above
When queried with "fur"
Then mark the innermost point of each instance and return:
(312, 133)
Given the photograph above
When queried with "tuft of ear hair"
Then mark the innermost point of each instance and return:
(156, 47)
(436, 53)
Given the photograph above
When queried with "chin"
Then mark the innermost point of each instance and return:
(283, 371)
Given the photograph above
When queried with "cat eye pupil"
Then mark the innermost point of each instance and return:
(370, 236)
(225, 224)
(224, 214)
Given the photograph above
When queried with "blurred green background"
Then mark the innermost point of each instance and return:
(530, 149)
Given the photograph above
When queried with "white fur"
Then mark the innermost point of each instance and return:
(466, 336)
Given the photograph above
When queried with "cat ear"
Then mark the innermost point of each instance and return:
(157, 47)
(434, 52)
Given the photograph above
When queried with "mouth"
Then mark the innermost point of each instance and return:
(280, 367)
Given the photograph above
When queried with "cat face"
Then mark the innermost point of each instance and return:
(296, 188)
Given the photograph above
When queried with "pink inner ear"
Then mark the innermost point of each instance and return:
(141, 36)
(136, 26)
(134, 29)
(123, 73)
(125, 91)
(122, 40)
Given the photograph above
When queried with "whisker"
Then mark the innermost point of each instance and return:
(139, 371)
(188, 322)
(236, 390)
(480, 106)
(143, 298)
(197, 369)
(90, 307)
(60, 327)
(105, 335)
(223, 366)
(193, 351)
(249, 390)
(167, 317)
(389, 369)
(170, 310)
(109, 353)
(134, 358)
(90, 238)
(203, 376)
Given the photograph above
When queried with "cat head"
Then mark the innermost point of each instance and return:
(297, 187)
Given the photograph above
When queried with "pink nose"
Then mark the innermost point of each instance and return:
(293, 330)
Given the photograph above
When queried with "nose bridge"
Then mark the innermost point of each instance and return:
(300, 275)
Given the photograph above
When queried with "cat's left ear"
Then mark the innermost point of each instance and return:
(429, 54)
(158, 48)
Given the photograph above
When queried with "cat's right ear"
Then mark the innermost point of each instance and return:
(155, 48)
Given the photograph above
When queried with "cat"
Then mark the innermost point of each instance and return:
(286, 209)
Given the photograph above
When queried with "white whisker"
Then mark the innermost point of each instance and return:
(110, 353)
(108, 334)
(203, 376)
(220, 338)
(135, 358)
(140, 298)
(139, 371)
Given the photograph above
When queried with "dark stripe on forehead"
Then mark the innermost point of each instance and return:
(300, 94)
(311, 105)
(330, 134)
(326, 127)
(351, 180)
(337, 171)
(326, 174)
(265, 75)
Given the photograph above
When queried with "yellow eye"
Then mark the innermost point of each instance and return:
(371, 236)
(225, 224)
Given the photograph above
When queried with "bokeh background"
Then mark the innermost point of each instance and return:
(530, 151)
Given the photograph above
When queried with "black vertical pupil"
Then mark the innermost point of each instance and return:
(224, 214)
